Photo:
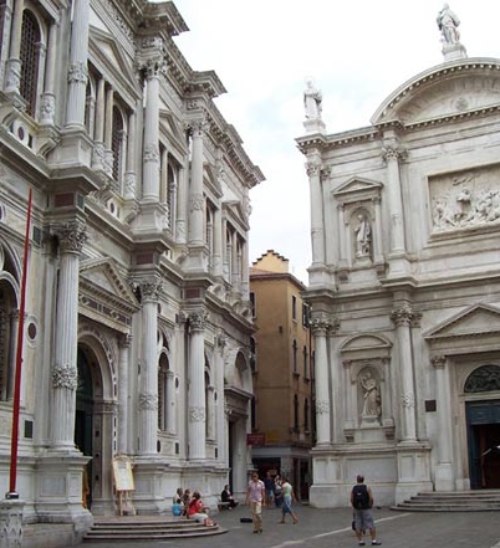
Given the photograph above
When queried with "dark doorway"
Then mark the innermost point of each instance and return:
(483, 432)
(84, 419)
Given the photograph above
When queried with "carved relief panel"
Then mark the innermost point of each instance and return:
(465, 200)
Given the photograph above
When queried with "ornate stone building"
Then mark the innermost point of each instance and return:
(405, 286)
(138, 320)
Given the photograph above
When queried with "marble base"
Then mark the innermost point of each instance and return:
(11, 523)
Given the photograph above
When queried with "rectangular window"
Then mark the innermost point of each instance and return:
(252, 303)
(305, 315)
(294, 307)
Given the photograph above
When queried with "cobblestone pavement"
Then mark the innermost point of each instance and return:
(332, 529)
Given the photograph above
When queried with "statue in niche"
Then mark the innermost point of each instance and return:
(448, 25)
(363, 232)
(312, 101)
(371, 396)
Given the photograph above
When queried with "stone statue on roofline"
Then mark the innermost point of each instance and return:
(312, 101)
(448, 23)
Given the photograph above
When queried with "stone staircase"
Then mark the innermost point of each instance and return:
(485, 500)
(143, 528)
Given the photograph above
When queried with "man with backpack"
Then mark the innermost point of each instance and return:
(362, 503)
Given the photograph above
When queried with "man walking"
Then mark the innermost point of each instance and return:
(362, 503)
(256, 498)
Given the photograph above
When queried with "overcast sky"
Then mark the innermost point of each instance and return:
(357, 52)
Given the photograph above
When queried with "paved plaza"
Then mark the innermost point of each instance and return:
(331, 528)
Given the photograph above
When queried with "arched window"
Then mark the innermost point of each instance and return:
(483, 379)
(306, 415)
(117, 143)
(296, 413)
(30, 43)
(163, 404)
(9, 318)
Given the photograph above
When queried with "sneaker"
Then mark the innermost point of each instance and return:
(376, 543)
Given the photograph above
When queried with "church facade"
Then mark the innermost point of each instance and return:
(405, 286)
(138, 321)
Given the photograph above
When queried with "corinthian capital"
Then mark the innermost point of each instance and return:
(393, 152)
(72, 235)
(313, 168)
(150, 289)
(402, 316)
(198, 127)
(324, 326)
(438, 361)
(197, 321)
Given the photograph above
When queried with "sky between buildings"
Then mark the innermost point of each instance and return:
(357, 52)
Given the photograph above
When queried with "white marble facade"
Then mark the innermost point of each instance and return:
(138, 320)
(405, 288)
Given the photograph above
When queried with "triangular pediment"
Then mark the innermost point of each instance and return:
(102, 276)
(446, 91)
(357, 185)
(236, 212)
(212, 179)
(477, 320)
(106, 51)
(168, 120)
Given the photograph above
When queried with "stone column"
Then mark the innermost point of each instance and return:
(313, 167)
(378, 252)
(443, 479)
(130, 174)
(77, 72)
(6, 17)
(342, 224)
(13, 69)
(180, 224)
(123, 391)
(151, 153)
(210, 413)
(217, 254)
(196, 395)
(392, 155)
(98, 152)
(108, 131)
(71, 236)
(323, 408)
(14, 328)
(48, 103)
(245, 275)
(402, 318)
(171, 407)
(196, 198)
(148, 397)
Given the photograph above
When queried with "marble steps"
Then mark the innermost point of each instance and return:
(468, 501)
(145, 529)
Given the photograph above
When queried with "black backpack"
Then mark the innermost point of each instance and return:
(360, 497)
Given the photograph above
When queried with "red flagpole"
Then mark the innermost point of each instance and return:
(12, 494)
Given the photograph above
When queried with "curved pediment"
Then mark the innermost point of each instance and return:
(448, 90)
(366, 347)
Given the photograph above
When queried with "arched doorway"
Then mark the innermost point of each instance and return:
(483, 426)
(84, 419)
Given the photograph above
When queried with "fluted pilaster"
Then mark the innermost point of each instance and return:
(196, 398)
